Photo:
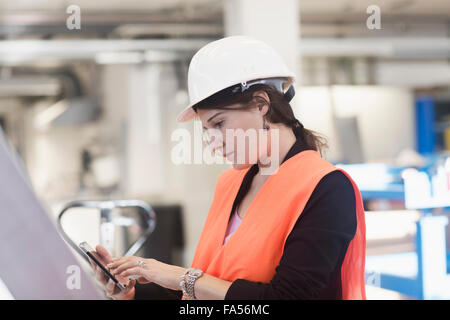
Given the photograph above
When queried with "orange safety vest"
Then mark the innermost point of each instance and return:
(254, 250)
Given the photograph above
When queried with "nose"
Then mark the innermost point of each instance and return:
(216, 143)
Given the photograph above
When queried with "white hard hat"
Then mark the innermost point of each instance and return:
(230, 61)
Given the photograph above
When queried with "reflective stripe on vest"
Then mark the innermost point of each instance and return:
(254, 250)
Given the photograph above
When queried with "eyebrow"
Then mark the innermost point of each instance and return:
(214, 116)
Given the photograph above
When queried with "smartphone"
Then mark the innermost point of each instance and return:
(92, 254)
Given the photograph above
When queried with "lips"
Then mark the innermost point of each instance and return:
(228, 155)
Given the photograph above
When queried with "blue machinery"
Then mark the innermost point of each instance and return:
(423, 273)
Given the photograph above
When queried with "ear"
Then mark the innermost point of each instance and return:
(262, 94)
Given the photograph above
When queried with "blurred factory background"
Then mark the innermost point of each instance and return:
(91, 111)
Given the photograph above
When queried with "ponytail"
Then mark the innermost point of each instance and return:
(311, 140)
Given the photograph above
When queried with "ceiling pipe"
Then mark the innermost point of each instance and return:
(20, 51)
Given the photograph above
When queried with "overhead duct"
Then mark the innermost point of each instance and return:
(77, 107)
(22, 51)
(66, 112)
(72, 107)
(29, 86)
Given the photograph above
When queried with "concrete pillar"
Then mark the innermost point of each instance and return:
(272, 21)
(145, 173)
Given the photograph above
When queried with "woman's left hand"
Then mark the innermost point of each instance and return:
(152, 270)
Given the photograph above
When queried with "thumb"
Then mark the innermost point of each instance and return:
(131, 284)
(103, 253)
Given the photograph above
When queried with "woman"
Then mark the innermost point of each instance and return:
(297, 233)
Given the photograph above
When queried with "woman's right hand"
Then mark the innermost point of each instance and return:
(108, 285)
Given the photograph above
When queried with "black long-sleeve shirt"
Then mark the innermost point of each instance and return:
(311, 263)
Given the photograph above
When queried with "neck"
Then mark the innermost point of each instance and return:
(285, 142)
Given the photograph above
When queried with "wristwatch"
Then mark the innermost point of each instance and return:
(183, 283)
(188, 285)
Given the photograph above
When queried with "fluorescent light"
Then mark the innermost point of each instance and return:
(161, 56)
(119, 57)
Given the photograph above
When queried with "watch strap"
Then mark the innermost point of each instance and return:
(192, 276)
(183, 282)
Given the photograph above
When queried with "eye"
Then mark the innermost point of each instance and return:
(219, 124)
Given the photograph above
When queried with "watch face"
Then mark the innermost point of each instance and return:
(196, 272)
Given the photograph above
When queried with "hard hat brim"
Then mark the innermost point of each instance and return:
(188, 113)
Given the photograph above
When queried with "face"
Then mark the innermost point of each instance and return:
(236, 134)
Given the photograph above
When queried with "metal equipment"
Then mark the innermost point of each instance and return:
(108, 222)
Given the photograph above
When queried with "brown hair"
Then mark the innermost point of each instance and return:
(280, 111)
